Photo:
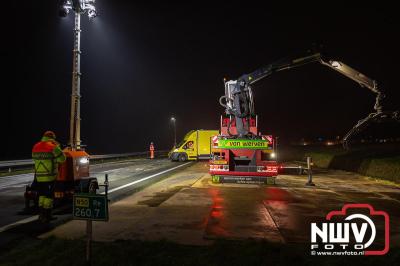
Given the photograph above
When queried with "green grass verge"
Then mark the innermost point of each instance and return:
(387, 168)
(53, 251)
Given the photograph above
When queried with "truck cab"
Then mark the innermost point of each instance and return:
(194, 146)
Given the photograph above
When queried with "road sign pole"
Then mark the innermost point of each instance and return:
(89, 241)
(309, 170)
(89, 233)
(91, 207)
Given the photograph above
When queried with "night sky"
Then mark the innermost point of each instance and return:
(144, 62)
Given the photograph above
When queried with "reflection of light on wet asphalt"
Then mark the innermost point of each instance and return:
(217, 210)
(274, 193)
(145, 178)
(217, 222)
(277, 202)
(35, 217)
(276, 198)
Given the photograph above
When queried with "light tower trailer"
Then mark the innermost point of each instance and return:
(74, 175)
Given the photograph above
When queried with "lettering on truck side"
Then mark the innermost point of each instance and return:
(234, 143)
(254, 144)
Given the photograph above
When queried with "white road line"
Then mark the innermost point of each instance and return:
(145, 178)
(23, 221)
(35, 217)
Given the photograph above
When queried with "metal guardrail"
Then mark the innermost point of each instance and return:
(5, 164)
(293, 169)
(29, 162)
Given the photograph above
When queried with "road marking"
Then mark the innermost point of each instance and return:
(35, 217)
(23, 221)
(145, 178)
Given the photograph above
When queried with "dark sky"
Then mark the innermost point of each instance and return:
(144, 62)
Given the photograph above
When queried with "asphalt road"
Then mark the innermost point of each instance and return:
(124, 178)
(188, 208)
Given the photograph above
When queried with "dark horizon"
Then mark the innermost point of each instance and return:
(143, 63)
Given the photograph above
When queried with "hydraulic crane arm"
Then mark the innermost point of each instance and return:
(239, 102)
(338, 66)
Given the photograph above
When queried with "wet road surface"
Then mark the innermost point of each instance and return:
(125, 177)
(188, 208)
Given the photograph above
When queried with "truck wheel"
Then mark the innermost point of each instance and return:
(182, 157)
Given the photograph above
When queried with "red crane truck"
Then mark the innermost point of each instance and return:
(242, 160)
(240, 153)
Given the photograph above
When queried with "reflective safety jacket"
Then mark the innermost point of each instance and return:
(47, 154)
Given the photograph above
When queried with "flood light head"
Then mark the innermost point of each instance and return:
(78, 6)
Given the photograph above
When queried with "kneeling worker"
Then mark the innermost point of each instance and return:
(47, 155)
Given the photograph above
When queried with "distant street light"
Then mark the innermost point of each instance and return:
(79, 7)
(173, 120)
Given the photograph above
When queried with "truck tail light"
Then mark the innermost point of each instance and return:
(261, 168)
(267, 169)
(272, 169)
(220, 167)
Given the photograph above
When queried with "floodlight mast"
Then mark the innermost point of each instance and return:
(75, 123)
(79, 7)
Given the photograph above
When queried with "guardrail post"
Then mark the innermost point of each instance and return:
(309, 170)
